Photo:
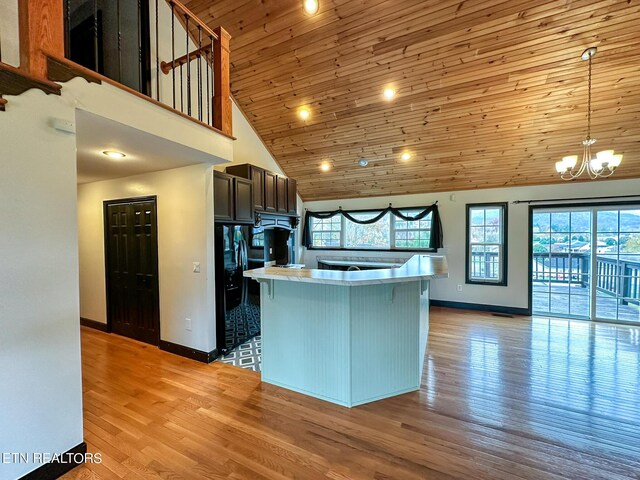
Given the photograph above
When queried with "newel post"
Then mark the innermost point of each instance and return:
(222, 116)
(41, 24)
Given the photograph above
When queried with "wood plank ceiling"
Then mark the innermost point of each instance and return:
(489, 93)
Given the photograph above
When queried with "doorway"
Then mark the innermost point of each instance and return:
(585, 262)
(131, 257)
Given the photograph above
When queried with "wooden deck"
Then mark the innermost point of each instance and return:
(562, 299)
(501, 398)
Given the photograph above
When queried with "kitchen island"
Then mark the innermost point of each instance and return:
(347, 337)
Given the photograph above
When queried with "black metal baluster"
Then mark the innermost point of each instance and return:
(67, 30)
(199, 57)
(157, 56)
(173, 53)
(188, 67)
(208, 66)
(181, 89)
(142, 88)
(96, 51)
(212, 79)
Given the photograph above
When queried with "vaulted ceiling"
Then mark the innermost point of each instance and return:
(489, 93)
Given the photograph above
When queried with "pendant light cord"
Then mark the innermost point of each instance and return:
(589, 103)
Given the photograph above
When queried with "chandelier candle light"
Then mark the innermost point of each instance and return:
(604, 163)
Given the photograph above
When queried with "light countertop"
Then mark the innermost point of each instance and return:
(360, 263)
(418, 267)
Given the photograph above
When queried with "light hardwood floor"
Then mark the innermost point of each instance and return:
(501, 398)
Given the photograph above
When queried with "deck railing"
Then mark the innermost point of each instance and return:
(562, 267)
(620, 278)
(615, 276)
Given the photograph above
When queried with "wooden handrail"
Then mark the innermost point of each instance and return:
(180, 6)
(3, 103)
(166, 67)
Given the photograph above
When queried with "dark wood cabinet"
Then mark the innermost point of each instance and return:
(233, 198)
(281, 195)
(256, 175)
(223, 196)
(243, 200)
(271, 193)
(270, 202)
(292, 196)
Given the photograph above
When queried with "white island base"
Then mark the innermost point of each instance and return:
(342, 340)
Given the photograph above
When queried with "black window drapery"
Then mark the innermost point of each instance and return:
(436, 238)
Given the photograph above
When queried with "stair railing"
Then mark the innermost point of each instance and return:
(199, 77)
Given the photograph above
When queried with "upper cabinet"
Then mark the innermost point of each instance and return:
(256, 175)
(233, 198)
(272, 193)
(243, 200)
(292, 196)
(223, 196)
(281, 195)
(270, 198)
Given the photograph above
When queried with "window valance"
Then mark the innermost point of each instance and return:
(355, 216)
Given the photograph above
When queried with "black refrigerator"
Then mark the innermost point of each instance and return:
(237, 248)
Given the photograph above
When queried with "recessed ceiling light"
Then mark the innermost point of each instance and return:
(325, 166)
(311, 6)
(304, 113)
(363, 162)
(406, 156)
(389, 93)
(113, 154)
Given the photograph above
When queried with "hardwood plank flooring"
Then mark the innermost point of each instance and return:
(501, 398)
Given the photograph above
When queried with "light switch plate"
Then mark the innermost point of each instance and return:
(196, 267)
(187, 324)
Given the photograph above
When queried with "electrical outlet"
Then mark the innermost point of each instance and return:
(459, 288)
(187, 324)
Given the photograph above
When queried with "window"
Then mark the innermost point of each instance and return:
(415, 235)
(327, 232)
(371, 235)
(487, 244)
(388, 233)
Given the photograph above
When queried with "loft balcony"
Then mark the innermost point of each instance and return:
(158, 51)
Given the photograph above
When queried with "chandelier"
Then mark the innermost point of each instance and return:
(604, 163)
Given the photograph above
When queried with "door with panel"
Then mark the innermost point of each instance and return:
(133, 308)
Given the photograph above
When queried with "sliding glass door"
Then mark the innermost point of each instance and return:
(586, 263)
(561, 262)
(617, 268)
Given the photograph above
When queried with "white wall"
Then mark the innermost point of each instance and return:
(453, 216)
(9, 39)
(185, 235)
(41, 394)
(249, 148)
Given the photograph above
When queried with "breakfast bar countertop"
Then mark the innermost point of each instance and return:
(418, 267)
